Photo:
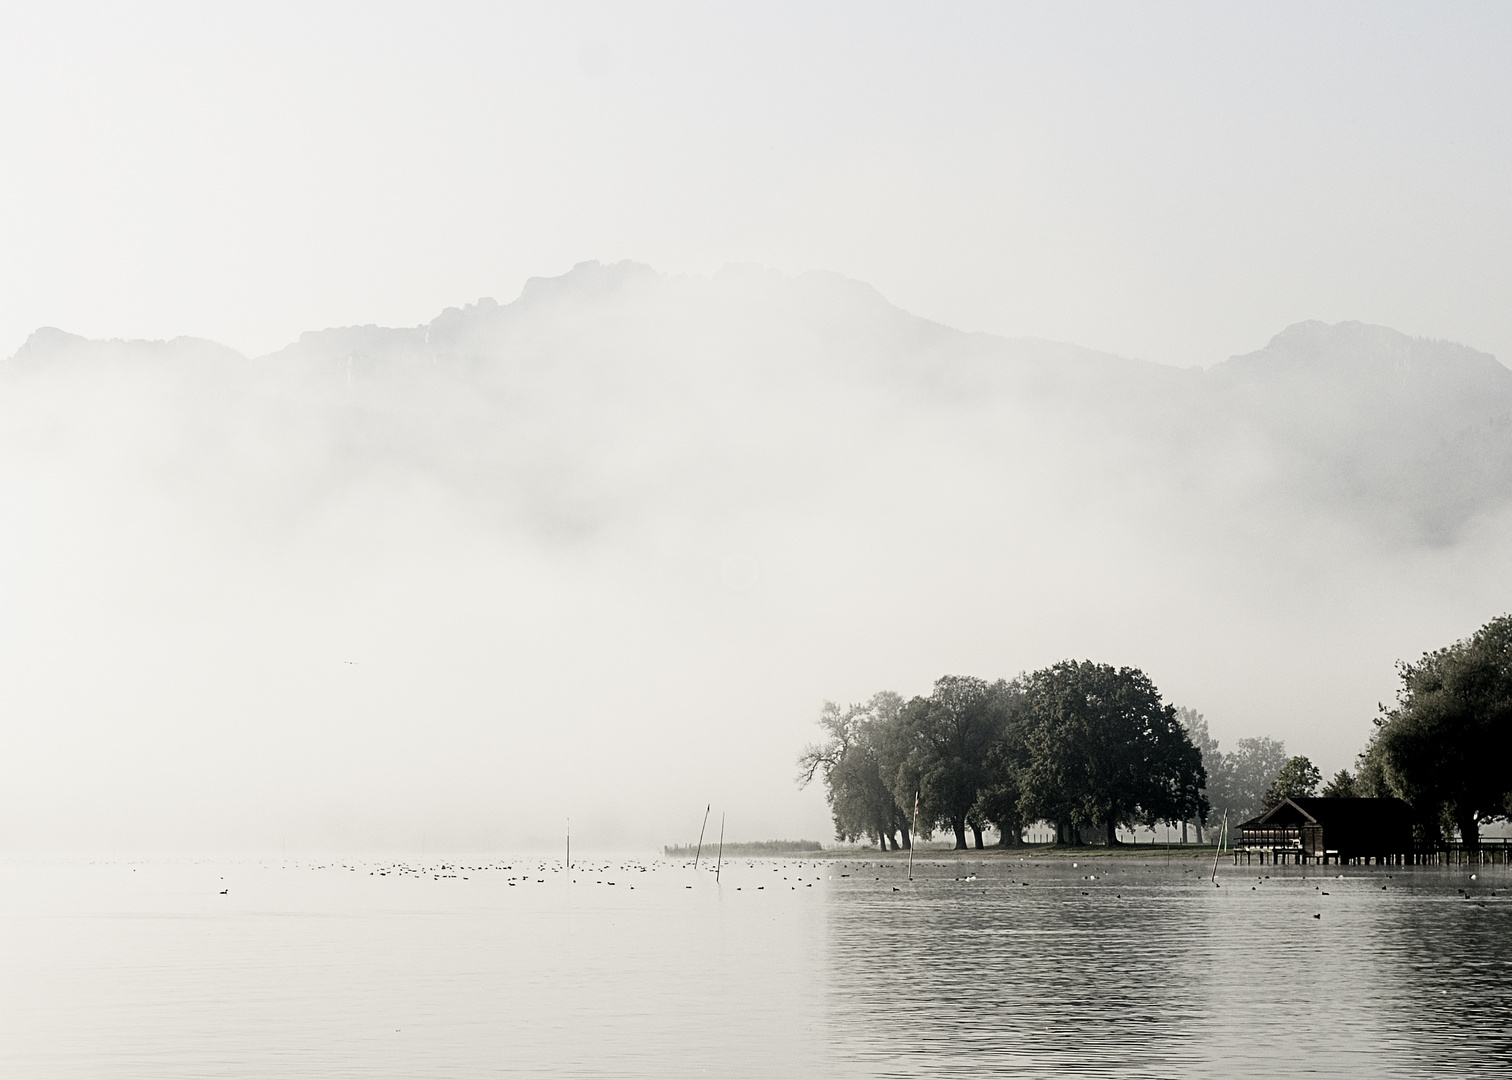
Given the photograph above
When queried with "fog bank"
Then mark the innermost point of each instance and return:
(604, 550)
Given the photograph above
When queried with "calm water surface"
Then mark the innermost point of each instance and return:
(1115, 967)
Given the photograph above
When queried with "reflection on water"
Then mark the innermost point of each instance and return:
(1126, 968)
(1117, 967)
(1024, 968)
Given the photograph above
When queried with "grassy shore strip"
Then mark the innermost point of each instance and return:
(1025, 851)
(809, 849)
(763, 848)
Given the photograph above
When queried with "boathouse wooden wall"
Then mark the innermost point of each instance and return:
(1324, 829)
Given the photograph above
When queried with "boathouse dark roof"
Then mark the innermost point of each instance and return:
(1349, 827)
(1347, 814)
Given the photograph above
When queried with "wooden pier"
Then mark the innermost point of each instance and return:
(1491, 852)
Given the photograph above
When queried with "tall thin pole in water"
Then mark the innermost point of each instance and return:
(1219, 849)
(720, 858)
(569, 843)
(913, 837)
(701, 829)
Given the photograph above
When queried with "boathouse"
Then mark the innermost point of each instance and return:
(1330, 830)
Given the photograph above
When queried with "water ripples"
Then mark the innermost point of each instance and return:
(1125, 969)
(1115, 967)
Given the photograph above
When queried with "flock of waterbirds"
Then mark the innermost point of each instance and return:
(540, 871)
(535, 872)
(1115, 876)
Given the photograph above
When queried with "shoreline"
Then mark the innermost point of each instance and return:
(995, 853)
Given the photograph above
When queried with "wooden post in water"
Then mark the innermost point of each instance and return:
(719, 860)
(701, 829)
(913, 836)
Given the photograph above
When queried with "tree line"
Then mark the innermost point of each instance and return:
(1254, 776)
(1087, 746)
(1084, 746)
(1443, 746)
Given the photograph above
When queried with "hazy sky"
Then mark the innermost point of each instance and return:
(1162, 180)
(386, 662)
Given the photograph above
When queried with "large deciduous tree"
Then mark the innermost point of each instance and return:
(942, 748)
(1297, 779)
(1237, 789)
(1104, 750)
(1001, 801)
(1196, 727)
(850, 761)
(1342, 786)
(1444, 746)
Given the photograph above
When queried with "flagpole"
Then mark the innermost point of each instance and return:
(914, 837)
(701, 829)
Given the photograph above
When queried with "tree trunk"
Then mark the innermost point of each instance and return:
(1010, 835)
(882, 841)
(959, 824)
(907, 840)
(1183, 830)
(1112, 833)
(1198, 825)
(1469, 830)
(976, 831)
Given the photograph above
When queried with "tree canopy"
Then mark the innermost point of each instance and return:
(850, 761)
(1443, 747)
(1342, 786)
(1297, 779)
(1104, 750)
(1082, 745)
(1237, 788)
(1207, 748)
(943, 748)
(1079, 744)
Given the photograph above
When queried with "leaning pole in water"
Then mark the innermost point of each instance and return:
(719, 860)
(569, 843)
(913, 837)
(1219, 850)
(701, 829)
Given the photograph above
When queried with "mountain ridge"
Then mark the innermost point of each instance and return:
(613, 384)
(592, 281)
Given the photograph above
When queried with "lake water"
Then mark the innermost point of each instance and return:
(1113, 967)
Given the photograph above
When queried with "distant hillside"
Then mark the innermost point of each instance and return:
(1375, 419)
(604, 551)
(613, 393)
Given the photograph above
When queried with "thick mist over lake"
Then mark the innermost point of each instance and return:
(603, 551)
